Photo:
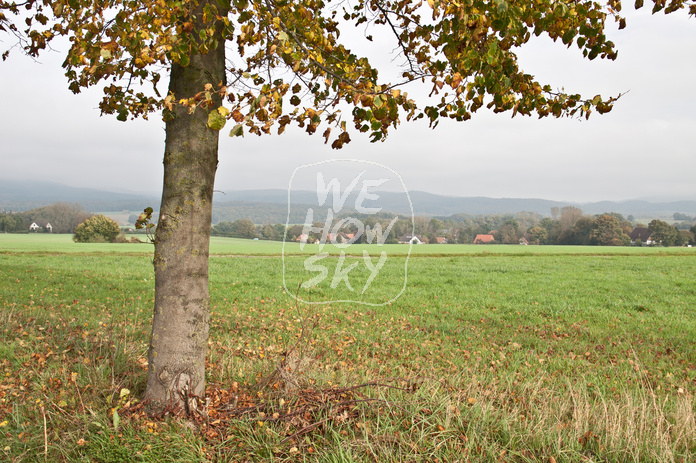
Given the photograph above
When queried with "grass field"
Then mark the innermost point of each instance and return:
(492, 353)
(48, 243)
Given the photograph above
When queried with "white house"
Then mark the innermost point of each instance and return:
(36, 227)
(410, 239)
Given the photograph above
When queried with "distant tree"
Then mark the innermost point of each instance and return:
(684, 237)
(692, 241)
(537, 235)
(224, 228)
(13, 222)
(436, 225)
(607, 231)
(663, 233)
(269, 232)
(569, 217)
(245, 228)
(507, 234)
(526, 220)
(547, 223)
(97, 229)
(582, 230)
(63, 217)
(618, 215)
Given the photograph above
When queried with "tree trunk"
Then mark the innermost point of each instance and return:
(179, 340)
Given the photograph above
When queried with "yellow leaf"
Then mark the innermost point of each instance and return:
(223, 111)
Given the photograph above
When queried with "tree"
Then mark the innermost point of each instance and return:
(269, 232)
(13, 222)
(289, 67)
(63, 217)
(537, 235)
(507, 234)
(582, 230)
(663, 233)
(436, 225)
(607, 231)
(245, 228)
(569, 217)
(97, 229)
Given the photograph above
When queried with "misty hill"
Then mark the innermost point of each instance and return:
(24, 195)
(271, 205)
(428, 204)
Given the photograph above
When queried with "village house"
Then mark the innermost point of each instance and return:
(35, 227)
(345, 237)
(484, 239)
(641, 234)
(411, 239)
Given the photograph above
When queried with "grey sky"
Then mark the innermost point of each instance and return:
(644, 148)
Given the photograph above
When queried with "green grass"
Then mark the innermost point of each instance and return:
(572, 353)
(220, 246)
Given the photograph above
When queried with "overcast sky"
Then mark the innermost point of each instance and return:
(644, 148)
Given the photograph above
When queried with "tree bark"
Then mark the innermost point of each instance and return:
(179, 339)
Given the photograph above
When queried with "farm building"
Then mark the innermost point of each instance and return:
(38, 226)
(411, 239)
(641, 234)
(484, 239)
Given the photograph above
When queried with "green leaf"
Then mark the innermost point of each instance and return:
(378, 101)
(237, 130)
(116, 419)
(216, 121)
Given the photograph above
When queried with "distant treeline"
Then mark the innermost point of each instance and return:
(62, 217)
(264, 213)
(567, 226)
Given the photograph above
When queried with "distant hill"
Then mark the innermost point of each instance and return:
(25, 195)
(428, 204)
(270, 205)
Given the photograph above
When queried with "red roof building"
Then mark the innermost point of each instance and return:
(484, 239)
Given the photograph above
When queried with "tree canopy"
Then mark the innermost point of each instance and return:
(291, 64)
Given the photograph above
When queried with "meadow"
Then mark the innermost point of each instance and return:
(492, 353)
